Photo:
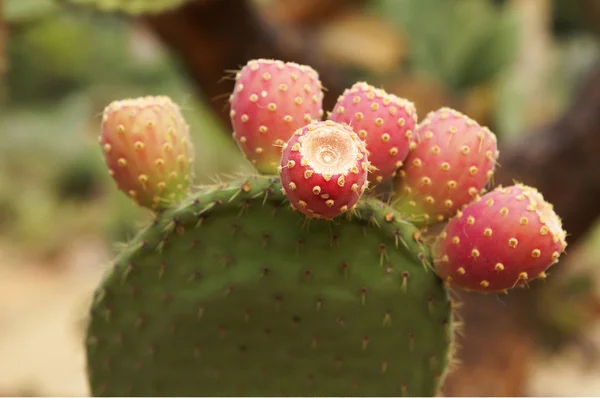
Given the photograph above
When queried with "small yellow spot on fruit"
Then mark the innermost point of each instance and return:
(272, 107)
(385, 137)
(288, 119)
(555, 256)
(445, 166)
(523, 221)
(513, 242)
(487, 232)
(354, 188)
(544, 230)
(504, 211)
(302, 203)
(456, 240)
(245, 118)
(489, 202)
(120, 129)
(523, 276)
(303, 162)
(344, 208)
(484, 283)
(452, 184)
(356, 99)
(122, 162)
(362, 133)
(473, 170)
(379, 122)
(243, 140)
(536, 253)
(359, 115)
(374, 106)
(470, 220)
(401, 122)
(475, 253)
(354, 170)
(461, 271)
(429, 200)
(327, 176)
(445, 258)
(435, 150)
(393, 151)
(316, 190)
(448, 203)
(499, 267)
(329, 203)
(291, 164)
(298, 101)
(132, 193)
(465, 149)
(253, 98)
(393, 110)
(107, 148)
(417, 162)
(308, 174)
(292, 186)
(283, 87)
(341, 181)
(139, 145)
(426, 180)
(266, 76)
(259, 150)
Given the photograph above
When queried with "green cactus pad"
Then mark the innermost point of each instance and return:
(234, 294)
(132, 7)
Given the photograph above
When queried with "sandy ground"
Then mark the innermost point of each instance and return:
(41, 313)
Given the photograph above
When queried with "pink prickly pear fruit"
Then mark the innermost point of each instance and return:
(504, 239)
(384, 121)
(147, 149)
(323, 170)
(451, 163)
(271, 100)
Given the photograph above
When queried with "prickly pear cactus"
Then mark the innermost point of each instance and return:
(302, 282)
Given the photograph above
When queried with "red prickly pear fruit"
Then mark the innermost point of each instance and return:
(451, 163)
(324, 169)
(504, 239)
(147, 149)
(271, 100)
(384, 121)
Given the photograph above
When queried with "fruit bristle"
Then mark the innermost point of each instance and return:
(452, 162)
(507, 238)
(147, 149)
(271, 100)
(384, 121)
(324, 169)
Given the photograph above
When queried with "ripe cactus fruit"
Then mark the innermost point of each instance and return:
(271, 100)
(506, 238)
(323, 169)
(227, 294)
(451, 164)
(384, 121)
(147, 149)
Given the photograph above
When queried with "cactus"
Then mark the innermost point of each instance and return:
(451, 164)
(324, 169)
(230, 292)
(271, 100)
(384, 121)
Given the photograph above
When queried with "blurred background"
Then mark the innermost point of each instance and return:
(529, 69)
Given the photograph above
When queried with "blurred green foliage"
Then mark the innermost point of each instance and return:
(461, 43)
